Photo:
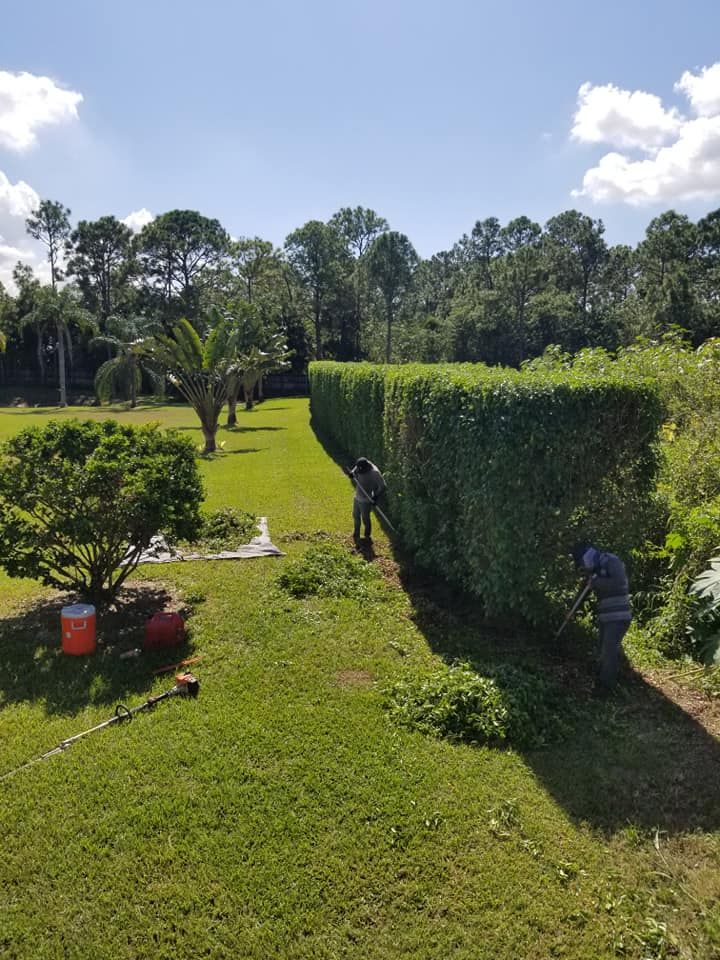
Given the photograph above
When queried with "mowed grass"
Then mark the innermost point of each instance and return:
(281, 814)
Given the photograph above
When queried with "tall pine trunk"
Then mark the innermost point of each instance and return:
(39, 354)
(61, 363)
(388, 344)
(318, 333)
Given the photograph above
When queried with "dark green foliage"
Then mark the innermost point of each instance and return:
(102, 262)
(705, 616)
(227, 528)
(179, 254)
(391, 262)
(492, 474)
(328, 570)
(686, 530)
(78, 497)
(503, 705)
(347, 404)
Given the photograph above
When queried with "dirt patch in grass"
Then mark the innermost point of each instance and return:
(136, 603)
(354, 678)
(35, 668)
(390, 571)
(703, 709)
(388, 567)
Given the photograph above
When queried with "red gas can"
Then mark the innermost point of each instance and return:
(164, 630)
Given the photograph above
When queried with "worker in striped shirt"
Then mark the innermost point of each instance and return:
(614, 613)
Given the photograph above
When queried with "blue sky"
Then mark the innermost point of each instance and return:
(433, 114)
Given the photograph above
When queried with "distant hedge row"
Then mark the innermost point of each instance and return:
(493, 473)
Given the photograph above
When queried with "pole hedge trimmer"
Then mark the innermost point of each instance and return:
(369, 499)
(576, 605)
(186, 685)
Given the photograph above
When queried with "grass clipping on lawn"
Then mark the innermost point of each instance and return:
(503, 705)
(328, 570)
(224, 529)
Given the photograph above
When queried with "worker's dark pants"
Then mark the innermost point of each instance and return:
(361, 511)
(611, 637)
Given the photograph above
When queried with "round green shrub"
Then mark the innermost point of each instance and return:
(79, 501)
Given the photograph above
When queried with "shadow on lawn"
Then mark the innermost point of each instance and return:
(636, 758)
(78, 410)
(33, 666)
(345, 461)
(226, 429)
(241, 429)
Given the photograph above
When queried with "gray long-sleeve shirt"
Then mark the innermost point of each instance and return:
(610, 585)
(369, 484)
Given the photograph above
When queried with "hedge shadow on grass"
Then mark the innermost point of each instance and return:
(634, 758)
(344, 461)
(34, 668)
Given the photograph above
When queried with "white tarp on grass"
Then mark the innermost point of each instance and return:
(261, 546)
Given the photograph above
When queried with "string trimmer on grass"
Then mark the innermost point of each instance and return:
(186, 685)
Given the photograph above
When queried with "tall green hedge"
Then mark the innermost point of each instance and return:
(493, 473)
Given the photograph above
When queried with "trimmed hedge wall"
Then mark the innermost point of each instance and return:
(493, 473)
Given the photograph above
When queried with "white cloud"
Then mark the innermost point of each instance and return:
(702, 90)
(138, 219)
(679, 158)
(17, 200)
(610, 115)
(27, 103)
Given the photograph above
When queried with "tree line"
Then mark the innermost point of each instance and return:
(351, 288)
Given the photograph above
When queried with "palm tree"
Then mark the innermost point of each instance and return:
(124, 371)
(255, 363)
(248, 326)
(199, 369)
(62, 310)
(256, 354)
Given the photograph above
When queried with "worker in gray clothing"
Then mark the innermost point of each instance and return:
(609, 583)
(369, 485)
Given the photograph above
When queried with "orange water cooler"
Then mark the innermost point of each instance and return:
(78, 629)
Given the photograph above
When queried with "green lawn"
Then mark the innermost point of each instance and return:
(283, 815)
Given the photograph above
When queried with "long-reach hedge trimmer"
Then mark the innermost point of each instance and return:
(369, 498)
(583, 592)
(186, 685)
